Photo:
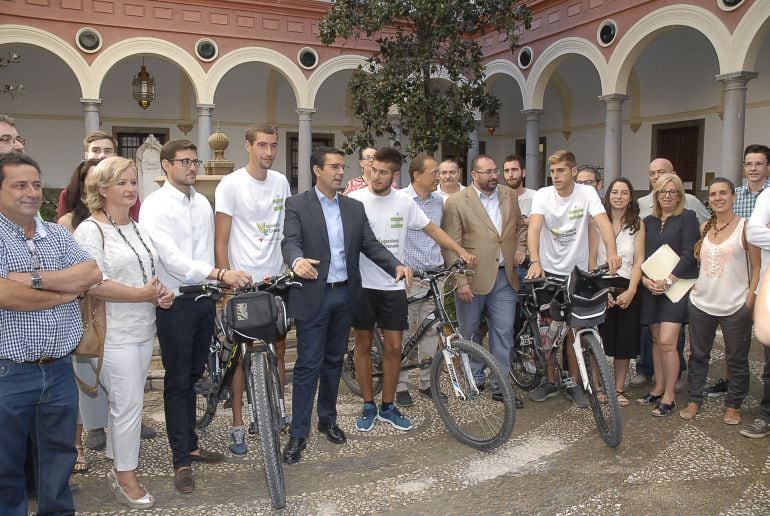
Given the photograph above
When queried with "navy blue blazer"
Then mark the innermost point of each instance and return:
(305, 236)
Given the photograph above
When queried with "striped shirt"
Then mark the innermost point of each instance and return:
(53, 332)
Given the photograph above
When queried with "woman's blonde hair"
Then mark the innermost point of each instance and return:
(106, 173)
(660, 185)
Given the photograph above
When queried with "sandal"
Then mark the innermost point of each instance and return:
(663, 409)
(732, 416)
(622, 400)
(690, 411)
(649, 399)
(81, 463)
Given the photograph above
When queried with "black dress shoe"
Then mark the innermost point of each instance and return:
(293, 451)
(496, 396)
(333, 432)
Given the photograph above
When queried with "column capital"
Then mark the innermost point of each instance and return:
(613, 97)
(305, 114)
(91, 103)
(533, 114)
(743, 76)
(204, 109)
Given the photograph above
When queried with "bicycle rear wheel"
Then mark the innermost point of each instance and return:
(481, 420)
(526, 368)
(603, 398)
(265, 407)
(206, 395)
(349, 364)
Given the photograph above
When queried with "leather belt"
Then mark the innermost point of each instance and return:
(40, 361)
(337, 284)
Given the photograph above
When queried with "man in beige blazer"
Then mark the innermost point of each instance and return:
(485, 219)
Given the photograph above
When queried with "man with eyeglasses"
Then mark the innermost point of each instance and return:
(10, 141)
(644, 365)
(486, 217)
(382, 302)
(756, 166)
(180, 223)
(558, 238)
(248, 229)
(589, 175)
(449, 178)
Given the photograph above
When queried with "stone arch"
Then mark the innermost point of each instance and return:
(27, 35)
(275, 60)
(326, 70)
(506, 67)
(648, 28)
(550, 60)
(154, 46)
(749, 35)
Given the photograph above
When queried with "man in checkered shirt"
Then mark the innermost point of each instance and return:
(756, 166)
(42, 272)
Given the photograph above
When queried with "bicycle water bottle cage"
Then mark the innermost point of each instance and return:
(255, 316)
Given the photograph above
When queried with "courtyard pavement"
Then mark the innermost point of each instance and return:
(555, 463)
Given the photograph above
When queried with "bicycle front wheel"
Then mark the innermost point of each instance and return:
(265, 408)
(526, 368)
(602, 398)
(349, 364)
(481, 418)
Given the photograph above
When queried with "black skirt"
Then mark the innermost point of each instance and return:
(621, 331)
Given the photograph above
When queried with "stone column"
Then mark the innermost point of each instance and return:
(204, 131)
(305, 148)
(733, 123)
(532, 157)
(613, 135)
(473, 151)
(91, 114)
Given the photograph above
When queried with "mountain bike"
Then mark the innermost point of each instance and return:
(550, 309)
(253, 308)
(477, 414)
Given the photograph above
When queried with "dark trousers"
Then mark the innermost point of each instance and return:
(321, 345)
(184, 333)
(764, 408)
(736, 329)
(644, 365)
(39, 402)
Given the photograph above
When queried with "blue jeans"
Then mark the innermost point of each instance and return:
(41, 402)
(500, 303)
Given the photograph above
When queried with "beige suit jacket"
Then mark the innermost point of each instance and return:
(467, 222)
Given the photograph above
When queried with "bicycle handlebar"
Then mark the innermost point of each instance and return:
(435, 272)
(272, 283)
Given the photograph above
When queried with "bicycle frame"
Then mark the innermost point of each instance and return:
(579, 354)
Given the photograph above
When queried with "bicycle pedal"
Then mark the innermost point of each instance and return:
(568, 382)
(254, 429)
(425, 363)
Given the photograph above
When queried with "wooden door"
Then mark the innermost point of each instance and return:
(682, 145)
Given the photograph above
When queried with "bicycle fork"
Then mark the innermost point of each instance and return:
(585, 380)
(449, 355)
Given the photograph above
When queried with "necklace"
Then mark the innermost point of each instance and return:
(717, 230)
(136, 230)
(663, 224)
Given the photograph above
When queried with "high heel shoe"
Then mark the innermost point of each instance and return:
(145, 502)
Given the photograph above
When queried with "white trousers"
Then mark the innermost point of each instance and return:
(124, 372)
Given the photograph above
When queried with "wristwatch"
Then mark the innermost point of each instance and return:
(668, 283)
(37, 283)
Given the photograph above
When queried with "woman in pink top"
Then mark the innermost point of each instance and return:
(723, 296)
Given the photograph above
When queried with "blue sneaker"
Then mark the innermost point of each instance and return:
(236, 442)
(395, 418)
(365, 421)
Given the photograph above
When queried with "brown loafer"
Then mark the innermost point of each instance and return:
(207, 456)
(184, 481)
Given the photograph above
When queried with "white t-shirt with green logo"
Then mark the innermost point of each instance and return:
(390, 216)
(564, 236)
(257, 209)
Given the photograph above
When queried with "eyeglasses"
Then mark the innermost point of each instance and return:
(668, 193)
(490, 172)
(746, 164)
(589, 182)
(368, 158)
(336, 166)
(186, 162)
(8, 139)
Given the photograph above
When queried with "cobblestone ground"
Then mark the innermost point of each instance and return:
(555, 463)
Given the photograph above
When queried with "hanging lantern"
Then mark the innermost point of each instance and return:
(144, 88)
(491, 121)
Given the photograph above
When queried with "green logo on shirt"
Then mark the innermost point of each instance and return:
(576, 213)
(397, 222)
(278, 204)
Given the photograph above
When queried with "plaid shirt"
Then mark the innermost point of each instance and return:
(54, 332)
(745, 199)
(420, 250)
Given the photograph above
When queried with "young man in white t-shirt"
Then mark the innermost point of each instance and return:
(383, 300)
(559, 225)
(247, 236)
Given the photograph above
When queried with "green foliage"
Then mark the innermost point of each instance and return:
(50, 200)
(420, 43)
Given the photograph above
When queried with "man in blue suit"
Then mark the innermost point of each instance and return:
(324, 235)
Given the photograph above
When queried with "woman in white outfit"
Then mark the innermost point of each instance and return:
(131, 289)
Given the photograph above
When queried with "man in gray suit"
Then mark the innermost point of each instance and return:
(324, 235)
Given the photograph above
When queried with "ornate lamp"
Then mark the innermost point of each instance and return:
(491, 121)
(144, 88)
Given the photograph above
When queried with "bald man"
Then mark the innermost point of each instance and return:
(658, 167)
